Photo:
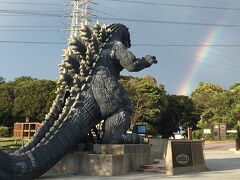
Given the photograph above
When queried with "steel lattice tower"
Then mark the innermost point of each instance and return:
(79, 15)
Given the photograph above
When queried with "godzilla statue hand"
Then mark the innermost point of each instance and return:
(88, 92)
(151, 59)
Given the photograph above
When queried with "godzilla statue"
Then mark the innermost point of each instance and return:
(88, 91)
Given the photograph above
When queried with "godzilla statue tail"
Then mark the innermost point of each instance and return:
(32, 164)
(76, 70)
(72, 114)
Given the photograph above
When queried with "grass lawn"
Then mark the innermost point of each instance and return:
(10, 144)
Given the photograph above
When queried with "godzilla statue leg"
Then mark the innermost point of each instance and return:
(115, 108)
(116, 126)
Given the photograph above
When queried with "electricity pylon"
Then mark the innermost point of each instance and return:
(79, 14)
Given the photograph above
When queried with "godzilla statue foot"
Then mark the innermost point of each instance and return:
(133, 139)
(115, 127)
(125, 139)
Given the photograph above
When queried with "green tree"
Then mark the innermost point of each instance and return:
(216, 105)
(205, 95)
(234, 100)
(235, 88)
(24, 79)
(33, 98)
(180, 112)
(25, 97)
(7, 97)
(148, 99)
(2, 80)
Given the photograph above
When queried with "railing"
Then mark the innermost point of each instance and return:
(25, 130)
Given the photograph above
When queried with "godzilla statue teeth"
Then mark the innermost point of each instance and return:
(88, 92)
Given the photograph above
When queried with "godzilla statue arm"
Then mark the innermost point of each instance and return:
(129, 61)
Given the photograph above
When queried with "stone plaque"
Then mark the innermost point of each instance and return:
(182, 154)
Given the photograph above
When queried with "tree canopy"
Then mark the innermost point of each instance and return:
(162, 113)
(180, 112)
(7, 97)
(2, 80)
(148, 99)
(25, 97)
(216, 105)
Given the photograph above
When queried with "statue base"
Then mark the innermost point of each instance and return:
(184, 156)
(105, 160)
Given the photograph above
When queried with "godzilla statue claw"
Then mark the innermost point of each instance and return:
(88, 92)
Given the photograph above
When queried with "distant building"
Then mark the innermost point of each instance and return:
(26, 129)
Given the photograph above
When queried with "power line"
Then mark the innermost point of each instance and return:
(137, 45)
(216, 66)
(27, 26)
(126, 19)
(171, 22)
(130, 1)
(153, 30)
(27, 3)
(61, 43)
(29, 10)
(28, 15)
(188, 45)
(26, 12)
(177, 5)
(32, 42)
(26, 30)
(105, 13)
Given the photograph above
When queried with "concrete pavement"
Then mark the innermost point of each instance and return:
(222, 164)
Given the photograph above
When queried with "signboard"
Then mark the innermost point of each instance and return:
(232, 131)
(182, 154)
(177, 136)
(141, 129)
(219, 131)
(206, 131)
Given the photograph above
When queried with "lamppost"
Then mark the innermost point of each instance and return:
(238, 136)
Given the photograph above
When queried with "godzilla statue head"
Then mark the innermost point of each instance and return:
(119, 32)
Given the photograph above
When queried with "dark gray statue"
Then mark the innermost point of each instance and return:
(88, 92)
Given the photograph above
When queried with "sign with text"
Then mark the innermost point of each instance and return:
(232, 131)
(182, 154)
(207, 131)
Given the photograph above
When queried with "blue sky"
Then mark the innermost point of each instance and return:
(220, 65)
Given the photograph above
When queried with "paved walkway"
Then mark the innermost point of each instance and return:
(222, 165)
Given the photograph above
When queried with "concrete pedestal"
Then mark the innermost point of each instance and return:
(105, 160)
(158, 148)
(184, 156)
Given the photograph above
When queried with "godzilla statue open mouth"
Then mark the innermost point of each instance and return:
(88, 92)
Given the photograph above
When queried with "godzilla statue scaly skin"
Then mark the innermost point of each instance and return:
(88, 92)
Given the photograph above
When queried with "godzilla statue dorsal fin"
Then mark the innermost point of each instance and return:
(75, 72)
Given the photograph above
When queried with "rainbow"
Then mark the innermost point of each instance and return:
(201, 55)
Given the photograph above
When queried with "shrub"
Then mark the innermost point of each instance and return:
(3, 131)
(231, 136)
(197, 134)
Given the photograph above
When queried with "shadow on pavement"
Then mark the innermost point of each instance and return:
(223, 164)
